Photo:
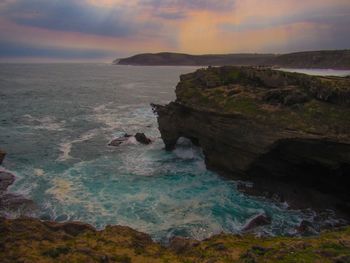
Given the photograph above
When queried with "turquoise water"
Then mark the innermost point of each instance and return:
(56, 121)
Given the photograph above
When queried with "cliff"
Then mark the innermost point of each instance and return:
(268, 126)
(335, 59)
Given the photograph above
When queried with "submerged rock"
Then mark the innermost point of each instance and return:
(6, 179)
(281, 127)
(118, 141)
(141, 138)
(12, 204)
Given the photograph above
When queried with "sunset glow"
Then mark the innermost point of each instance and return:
(91, 30)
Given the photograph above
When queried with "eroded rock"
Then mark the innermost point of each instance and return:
(281, 126)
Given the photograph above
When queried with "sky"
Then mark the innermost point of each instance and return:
(102, 30)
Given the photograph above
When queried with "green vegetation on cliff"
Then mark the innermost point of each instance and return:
(289, 100)
(31, 240)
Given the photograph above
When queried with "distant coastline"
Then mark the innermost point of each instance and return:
(325, 59)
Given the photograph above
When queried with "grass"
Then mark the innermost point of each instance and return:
(314, 116)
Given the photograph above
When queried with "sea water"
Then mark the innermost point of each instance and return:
(56, 121)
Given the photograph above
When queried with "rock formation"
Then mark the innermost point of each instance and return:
(2, 156)
(266, 125)
(12, 203)
(141, 138)
(118, 141)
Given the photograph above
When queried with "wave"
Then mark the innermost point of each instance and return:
(65, 147)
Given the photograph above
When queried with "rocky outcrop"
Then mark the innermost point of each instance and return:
(142, 138)
(12, 203)
(139, 137)
(266, 125)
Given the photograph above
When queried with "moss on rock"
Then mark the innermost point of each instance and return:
(31, 240)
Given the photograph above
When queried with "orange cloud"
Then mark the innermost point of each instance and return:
(194, 26)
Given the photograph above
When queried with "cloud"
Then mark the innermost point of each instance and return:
(102, 27)
(180, 9)
(73, 16)
(331, 15)
(208, 5)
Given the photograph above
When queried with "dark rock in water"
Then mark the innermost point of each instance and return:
(141, 138)
(2, 156)
(11, 202)
(256, 221)
(6, 179)
(118, 141)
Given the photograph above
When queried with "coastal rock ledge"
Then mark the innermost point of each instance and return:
(258, 123)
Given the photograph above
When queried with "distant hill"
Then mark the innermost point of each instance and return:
(336, 59)
(179, 59)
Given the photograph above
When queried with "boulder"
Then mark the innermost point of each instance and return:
(141, 138)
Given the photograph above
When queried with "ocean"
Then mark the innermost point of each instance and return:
(56, 121)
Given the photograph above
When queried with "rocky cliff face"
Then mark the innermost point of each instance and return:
(260, 123)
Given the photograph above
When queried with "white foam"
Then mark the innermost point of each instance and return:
(49, 123)
(39, 172)
(63, 190)
(66, 147)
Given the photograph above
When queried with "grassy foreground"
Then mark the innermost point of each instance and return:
(32, 240)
